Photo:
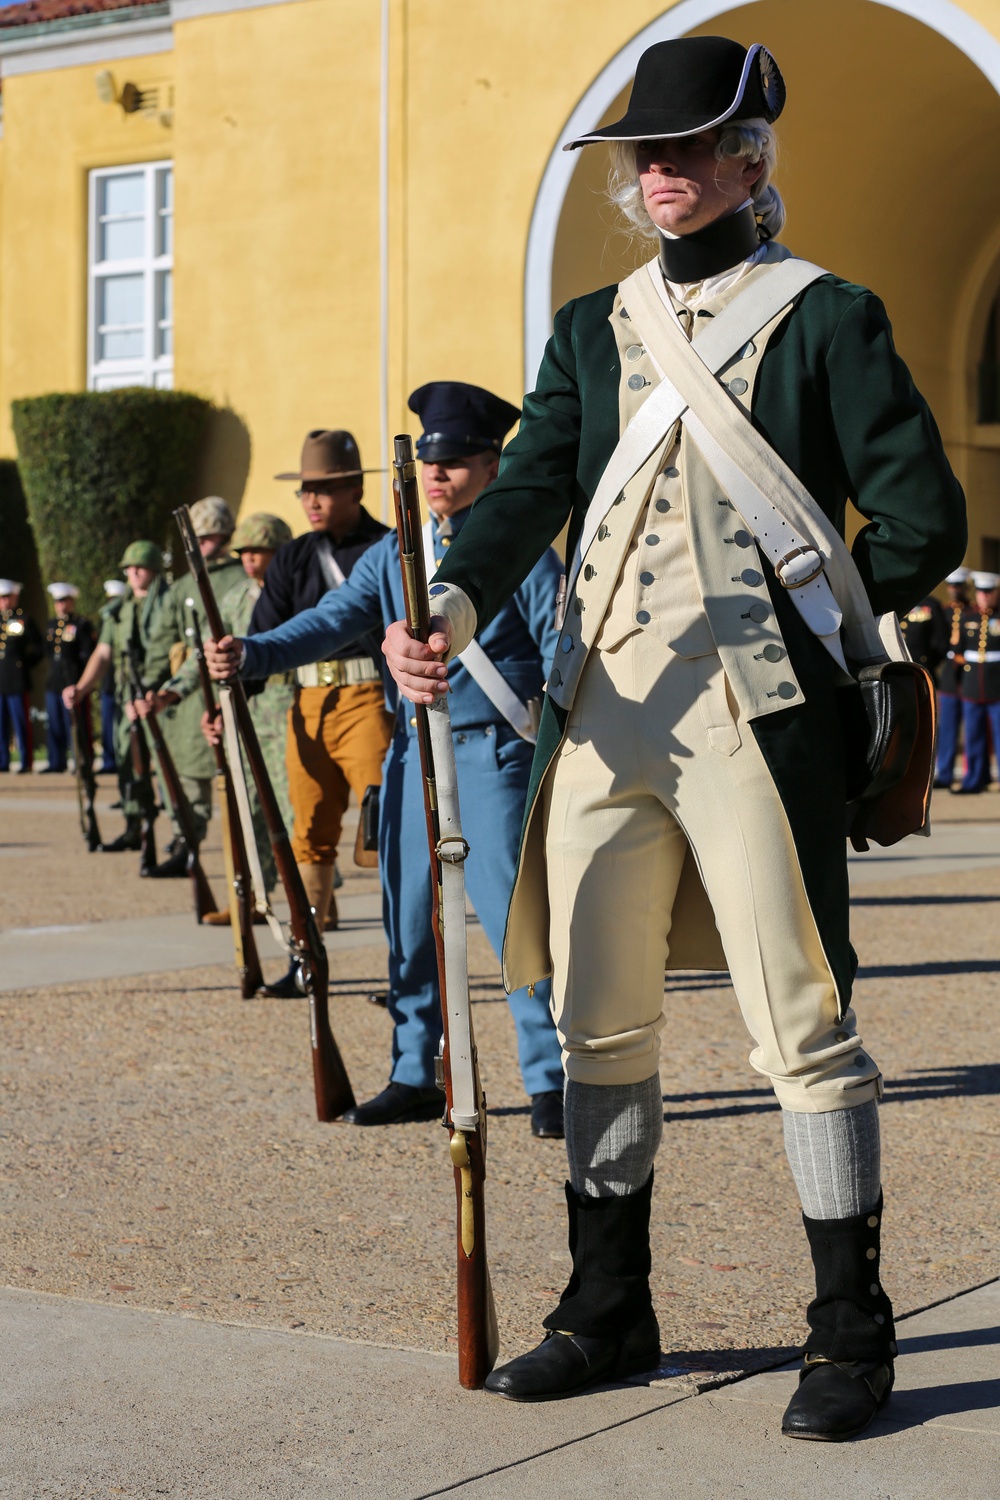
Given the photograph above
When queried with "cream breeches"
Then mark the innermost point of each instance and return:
(654, 758)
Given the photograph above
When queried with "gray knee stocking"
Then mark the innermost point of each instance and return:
(835, 1160)
(612, 1132)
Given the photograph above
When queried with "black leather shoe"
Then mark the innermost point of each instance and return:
(566, 1363)
(396, 1103)
(836, 1401)
(547, 1115)
(174, 868)
(288, 987)
(130, 839)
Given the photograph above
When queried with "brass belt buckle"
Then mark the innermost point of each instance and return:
(810, 565)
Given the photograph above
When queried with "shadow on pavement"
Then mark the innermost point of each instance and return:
(922, 900)
(976, 1079)
(917, 971)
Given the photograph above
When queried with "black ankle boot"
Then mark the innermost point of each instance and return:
(130, 839)
(604, 1327)
(848, 1371)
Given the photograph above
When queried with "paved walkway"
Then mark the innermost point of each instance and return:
(97, 1400)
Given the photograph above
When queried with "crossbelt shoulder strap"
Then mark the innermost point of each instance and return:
(482, 671)
(746, 315)
(787, 524)
(332, 571)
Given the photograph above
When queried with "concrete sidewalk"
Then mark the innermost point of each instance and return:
(97, 1400)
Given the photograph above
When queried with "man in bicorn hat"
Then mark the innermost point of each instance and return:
(255, 542)
(21, 649)
(69, 641)
(495, 725)
(701, 735)
(128, 623)
(177, 698)
(979, 649)
(114, 588)
(338, 728)
(949, 679)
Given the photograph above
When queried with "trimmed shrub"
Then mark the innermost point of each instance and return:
(101, 469)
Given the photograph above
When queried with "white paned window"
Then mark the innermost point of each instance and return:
(130, 338)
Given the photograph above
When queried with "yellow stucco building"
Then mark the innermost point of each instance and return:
(303, 209)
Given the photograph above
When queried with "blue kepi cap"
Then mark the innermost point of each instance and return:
(460, 420)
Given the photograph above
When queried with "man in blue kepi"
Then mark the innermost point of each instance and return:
(496, 689)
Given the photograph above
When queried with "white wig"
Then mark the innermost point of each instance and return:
(750, 140)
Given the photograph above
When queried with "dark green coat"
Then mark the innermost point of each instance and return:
(835, 400)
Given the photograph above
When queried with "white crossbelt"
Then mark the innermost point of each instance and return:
(807, 552)
(332, 571)
(483, 671)
(745, 316)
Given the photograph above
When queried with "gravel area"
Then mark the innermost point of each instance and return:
(158, 1145)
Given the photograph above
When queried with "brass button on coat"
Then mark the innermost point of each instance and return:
(603, 532)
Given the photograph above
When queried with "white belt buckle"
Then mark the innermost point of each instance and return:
(799, 567)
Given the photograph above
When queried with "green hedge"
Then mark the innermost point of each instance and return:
(104, 468)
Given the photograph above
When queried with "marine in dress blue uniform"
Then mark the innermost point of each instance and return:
(980, 650)
(949, 680)
(21, 649)
(461, 423)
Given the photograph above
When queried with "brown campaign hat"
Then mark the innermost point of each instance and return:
(329, 455)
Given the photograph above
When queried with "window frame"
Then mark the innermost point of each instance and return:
(152, 368)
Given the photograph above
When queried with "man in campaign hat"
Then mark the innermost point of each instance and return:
(949, 678)
(979, 648)
(21, 649)
(128, 622)
(338, 728)
(700, 429)
(69, 641)
(494, 724)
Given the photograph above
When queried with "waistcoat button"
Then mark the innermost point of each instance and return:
(787, 689)
(751, 577)
(634, 351)
(748, 350)
(567, 644)
(651, 540)
(663, 504)
(774, 653)
(643, 617)
(589, 572)
(602, 532)
(636, 382)
(742, 538)
(671, 473)
(738, 386)
(758, 613)
(647, 578)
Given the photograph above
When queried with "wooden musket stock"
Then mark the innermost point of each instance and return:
(476, 1352)
(241, 885)
(333, 1087)
(201, 891)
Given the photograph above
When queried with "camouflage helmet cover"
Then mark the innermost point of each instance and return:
(261, 531)
(142, 555)
(212, 517)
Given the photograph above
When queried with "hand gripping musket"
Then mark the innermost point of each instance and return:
(201, 891)
(142, 770)
(466, 1102)
(86, 781)
(333, 1087)
(238, 878)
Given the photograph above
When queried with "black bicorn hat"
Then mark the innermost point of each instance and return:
(460, 420)
(691, 84)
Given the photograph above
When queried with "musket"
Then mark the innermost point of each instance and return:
(238, 876)
(333, 1089)
(465, 1108)
(201, 891)
(86, 781)
(142, 770)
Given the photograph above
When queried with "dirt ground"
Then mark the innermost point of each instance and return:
(159, 1148)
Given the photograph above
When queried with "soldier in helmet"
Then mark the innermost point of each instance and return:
(69, 640)
(128, 623)
(114, 588)
(21, 649)
(176, 695)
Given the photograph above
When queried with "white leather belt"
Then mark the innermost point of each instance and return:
(342, 672)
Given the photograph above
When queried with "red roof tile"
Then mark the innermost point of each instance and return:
(37, 12)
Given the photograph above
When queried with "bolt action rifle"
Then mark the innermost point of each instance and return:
(465, 1101)
(86, 781)
(333, 1089)
(204, 901)
(238, 878)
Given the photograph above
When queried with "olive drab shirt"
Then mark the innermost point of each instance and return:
(129, 621)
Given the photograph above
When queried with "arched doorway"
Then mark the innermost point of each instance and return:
(888, 170)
